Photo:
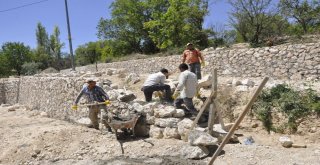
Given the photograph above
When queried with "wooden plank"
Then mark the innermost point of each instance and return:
(238, 121)
(207, 102)
(205, 105)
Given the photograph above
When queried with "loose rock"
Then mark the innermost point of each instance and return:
(183, 128)
(194, 152)
(171, 133)
(163, 111)
(285, 141)
(179, 113)
(156, 132)
(197, 138)
(167, 122)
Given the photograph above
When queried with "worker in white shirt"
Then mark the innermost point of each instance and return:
(155, 82)
(186, 89)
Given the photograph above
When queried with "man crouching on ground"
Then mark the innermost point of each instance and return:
(186, 89)
(155, 82)
(93, 94)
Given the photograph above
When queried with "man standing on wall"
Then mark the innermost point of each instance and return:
(186, 89)
(155, 82)
(194, 59)
(94, 94)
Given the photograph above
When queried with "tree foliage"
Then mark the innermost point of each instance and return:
(48, 51)
(251, 18)
(55, 48)
(15, 54)
(180, 22)
(304, 12)
(147, 26)
(42, 52)
(89, 53)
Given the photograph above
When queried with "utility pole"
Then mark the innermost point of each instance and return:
(69, 37)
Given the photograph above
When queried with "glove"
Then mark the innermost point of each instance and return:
(158, 94)
(203, 64)
(198, 94)
(175, 95)
(74, 107)
(107, 102)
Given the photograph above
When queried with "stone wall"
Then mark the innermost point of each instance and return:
(9, 91)
(2, 95)
(295, 62)
(54, 95)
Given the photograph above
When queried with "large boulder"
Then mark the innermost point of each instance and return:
(171, 133)
(164, 111)
(156, 132)
(113, 95)
(114, 86)
(106, 88)
(193, 152)
(167, 122)
(220, 133)
(132, 78)
(206, 81)
(247, 82)
(183, 128)
(179, 113)
(149, 108)
(126, 96)
(197, 138)
(138, 107)
(150, 119)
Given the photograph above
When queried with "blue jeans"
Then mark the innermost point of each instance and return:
(196, 69)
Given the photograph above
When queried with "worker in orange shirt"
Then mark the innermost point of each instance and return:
(194, 59)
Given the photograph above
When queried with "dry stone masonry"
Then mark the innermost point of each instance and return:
(295, 62)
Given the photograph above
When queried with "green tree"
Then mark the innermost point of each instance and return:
(304, 12)
(126, 25)
(55, 48)
(42, 52)
(16, 54)
(4, 65)
(250, 18)
(177, 22)
(89, 53)
(146, 26)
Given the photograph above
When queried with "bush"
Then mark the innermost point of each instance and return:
(295, 106)
(30, 68)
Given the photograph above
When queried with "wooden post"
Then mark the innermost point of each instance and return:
(219, 115)
(238, 121)
(208, 100)
(213, 107)
(211, 118)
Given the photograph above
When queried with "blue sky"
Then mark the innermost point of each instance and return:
(20, 24)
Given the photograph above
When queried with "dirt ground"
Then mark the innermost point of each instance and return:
(27, 137)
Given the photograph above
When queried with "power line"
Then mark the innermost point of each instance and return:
(18, 7)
